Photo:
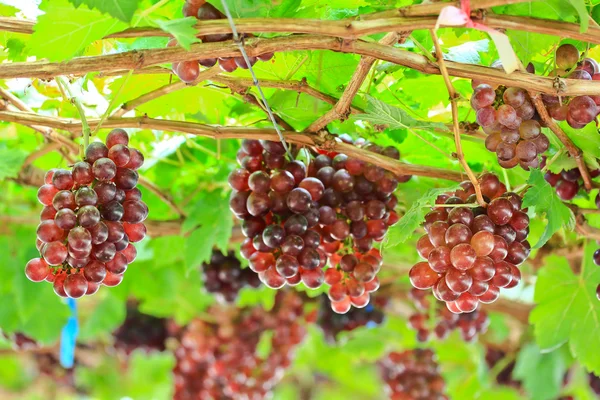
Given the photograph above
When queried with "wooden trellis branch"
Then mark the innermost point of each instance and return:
(573, 150)
(422, 16)
(218, 132)
(453, 99)
(256, 46)
(342, 107)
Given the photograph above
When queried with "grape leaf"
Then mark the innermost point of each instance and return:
(212, 212)
(108, 314)
(567, 308)
(11, 161)
(380, 113)
(120, 9)
(541, 373)
(183, 30)
(542, 198)
(587, 138)
(413, 217)
(583, 14)
(64, 32)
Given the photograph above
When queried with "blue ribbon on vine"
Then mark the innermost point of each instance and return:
(68, 338)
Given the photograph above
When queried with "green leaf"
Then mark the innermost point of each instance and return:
(11, 161)
(381, 113)
(64, 32)
(120, 9)
(212, 212)
(567, 308)
(583, 14)
(541, 373)
(105, 318)
(183, 30)
(413, 217)
(542, 198)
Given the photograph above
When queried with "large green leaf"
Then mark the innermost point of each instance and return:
(183, 30)
(541, 373)
(64, 32)
(381, 113)
(11, 161)
(407, 225)
(212, 213)
(120, 9)
(542, 199)
(567, 309)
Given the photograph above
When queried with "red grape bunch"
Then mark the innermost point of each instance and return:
(140, 331)
(93, 213)
(509, 118)
(220, 360)
(412, 374)
(333, 324)
(580, 110)
(471, 251)
(470, 325)
(296, 219)
(188, 71)
(225, 277)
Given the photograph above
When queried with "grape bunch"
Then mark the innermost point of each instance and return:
(92, 215)
(333, 324)
(594, 383)
(21, 342)
(220, 361)
(470, 325)
(140, 331)
(509, 118)
(578, 111)
(188, 71)
(225, 277)
(412, 374)
(297, 219)
(505, 376)
(472, 251)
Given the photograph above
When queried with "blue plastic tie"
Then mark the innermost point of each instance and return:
(69, 337)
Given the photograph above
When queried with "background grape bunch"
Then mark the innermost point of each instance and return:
(471, 251)
(333, 323)
(140, 331)
(470, 325)
(509, 118)
(220, 360)
(92, 215)
(225, 277)
(412, 374)
(188, 71)
(578, 111)
(298, 219)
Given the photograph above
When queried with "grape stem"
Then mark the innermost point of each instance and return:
(65, 88)
(456, 129)
(239, 42)
(342, 108)
(573, 150)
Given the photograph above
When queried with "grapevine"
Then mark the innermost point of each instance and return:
(211, 357)
(470, 325)
(298, 219)
(412, 374)
(472, 252)
(92, 215)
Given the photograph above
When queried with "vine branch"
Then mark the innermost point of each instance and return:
(453, 99)
(342, 107)
(219, 132)
(573, 150)
(255, 46)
